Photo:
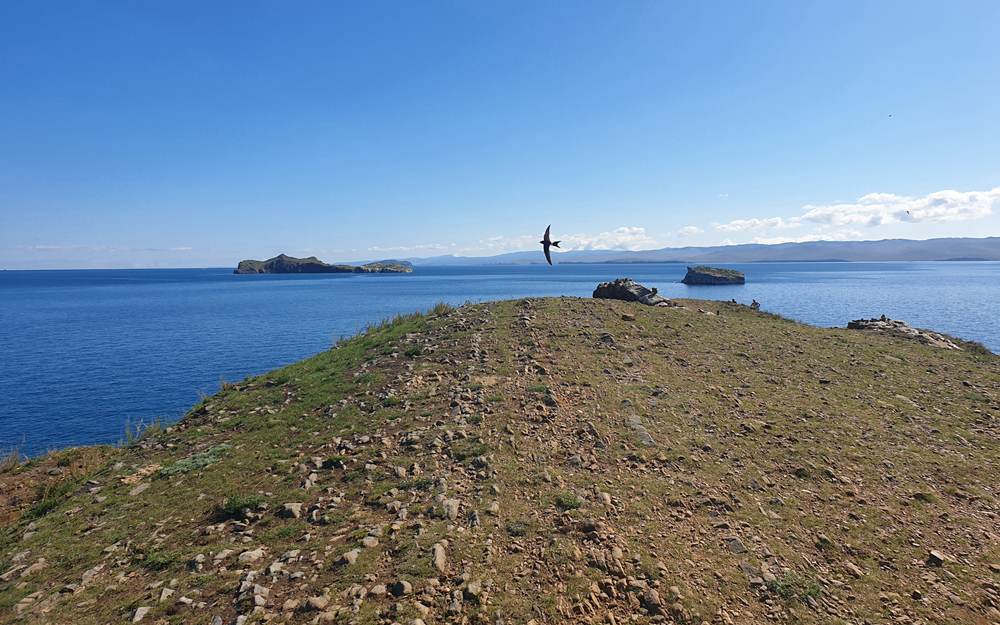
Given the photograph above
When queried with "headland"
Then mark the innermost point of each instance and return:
(553, 459)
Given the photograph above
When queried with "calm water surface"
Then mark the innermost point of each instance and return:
(84, 352)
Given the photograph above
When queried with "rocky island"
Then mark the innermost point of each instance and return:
(547, 460)
(704, 275)
(289, 264)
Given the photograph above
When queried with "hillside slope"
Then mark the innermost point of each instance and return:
(547, 460)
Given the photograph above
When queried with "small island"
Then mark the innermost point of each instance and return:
(283, 263)
(703, 275)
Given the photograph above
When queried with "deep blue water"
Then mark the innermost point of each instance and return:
(84, 352)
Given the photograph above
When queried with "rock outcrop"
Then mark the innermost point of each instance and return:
(629, 291)
(283, 263)
(885, 324)
(704, 275)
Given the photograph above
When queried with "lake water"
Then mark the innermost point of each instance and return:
(82, 353)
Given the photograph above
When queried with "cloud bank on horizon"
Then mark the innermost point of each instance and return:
(832, 222)
(837, 221)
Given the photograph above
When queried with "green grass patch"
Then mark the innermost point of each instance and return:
(158, 560)
(366, 378)
(234, 504)
(468, 448)
(44, 507)
(519, 527)
(794, 585)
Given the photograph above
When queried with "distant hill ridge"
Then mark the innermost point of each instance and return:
(886, 250)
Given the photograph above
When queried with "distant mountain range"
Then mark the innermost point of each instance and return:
(898, 250)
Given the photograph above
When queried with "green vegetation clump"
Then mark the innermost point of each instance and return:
(196, 461)
(567, 501)
(518, 528)
(158, 560)
(10, 459)
(366, 378)
(468, 449)
(794, 585)
(234, 505)
(441, 308)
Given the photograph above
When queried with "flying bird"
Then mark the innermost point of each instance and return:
(547, 242)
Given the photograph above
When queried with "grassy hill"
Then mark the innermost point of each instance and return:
(547, 460)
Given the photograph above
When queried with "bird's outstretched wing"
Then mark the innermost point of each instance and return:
(547, 257)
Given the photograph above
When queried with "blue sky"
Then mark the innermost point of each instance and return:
(189, 134)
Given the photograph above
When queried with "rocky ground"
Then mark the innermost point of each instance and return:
(546, 461)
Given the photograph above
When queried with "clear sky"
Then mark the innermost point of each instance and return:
(195, 134)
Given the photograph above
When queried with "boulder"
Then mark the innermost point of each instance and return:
(627, 290)
(704, 275)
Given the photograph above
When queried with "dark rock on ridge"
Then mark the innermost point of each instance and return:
(289, 264)
(713, 275)
(629, 291)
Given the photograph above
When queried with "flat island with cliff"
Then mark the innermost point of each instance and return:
(546, 460)
(289, 264)
(705, 275)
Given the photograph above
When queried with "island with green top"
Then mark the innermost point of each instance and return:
(703, 274)
(283, 263)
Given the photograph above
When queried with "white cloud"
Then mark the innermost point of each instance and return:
(71, 248)
(756, 224)
(509, 243)
(689, 230)
(723, 195)
(431, 247)
(623, 238)
(872, 210)
(99, 249)
(842, 235)
(881, 209)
